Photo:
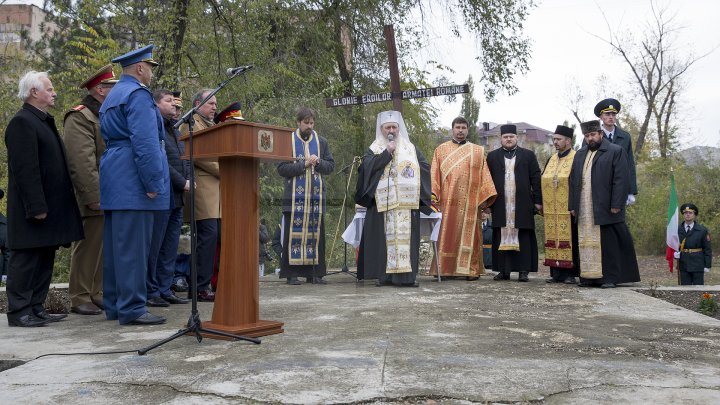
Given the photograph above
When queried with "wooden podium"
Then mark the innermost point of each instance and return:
(239, 146)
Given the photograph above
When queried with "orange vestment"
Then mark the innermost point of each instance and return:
(461, 181)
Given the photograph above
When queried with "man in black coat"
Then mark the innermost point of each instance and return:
(514, 244)
(695, 252)
(167, 223)
(42, 211)
(4, 254)
(607, 110)
(599, 187)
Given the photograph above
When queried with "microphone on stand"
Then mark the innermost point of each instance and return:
(237, 70)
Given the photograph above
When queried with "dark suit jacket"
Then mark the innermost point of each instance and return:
(623, 140)
(527, 185)
(610, 186)
(39, 182)
(697, 238)
(179, 169)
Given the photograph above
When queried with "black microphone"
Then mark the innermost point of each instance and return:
(237, 70)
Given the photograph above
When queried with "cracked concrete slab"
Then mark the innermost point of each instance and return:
(453, 342)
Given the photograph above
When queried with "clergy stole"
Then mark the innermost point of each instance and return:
(588, 232)
(462, 181)
(306, 206)
(398, 192)
(509, 234)
(558, 221)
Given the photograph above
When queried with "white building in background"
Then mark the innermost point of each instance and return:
(17, 17)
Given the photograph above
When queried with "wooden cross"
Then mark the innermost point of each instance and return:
(395, 94)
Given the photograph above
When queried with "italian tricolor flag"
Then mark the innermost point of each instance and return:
(672, 238)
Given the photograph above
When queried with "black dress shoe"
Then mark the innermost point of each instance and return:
(523, 277)
(293, 281)
(148, 319)
(553, 280)
(86, 308)
(28, 321)
(174, 299)
(99, 304)
(584, 284)
(415, 284)
(379, 283)
(180, 285)
(49, 317)
(608, 285)
(570, 280)
(157, 302)
(206, 296)
(317, 280)
(501, 276)
(472, 278)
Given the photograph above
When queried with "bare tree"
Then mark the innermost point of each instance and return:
(657, 64)
(574, 98)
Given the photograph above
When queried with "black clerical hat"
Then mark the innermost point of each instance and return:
(607, 105)
(590, 126)
(508, 129)
(564, 131)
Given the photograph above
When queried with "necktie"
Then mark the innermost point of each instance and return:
(687, 228)
(609, 137)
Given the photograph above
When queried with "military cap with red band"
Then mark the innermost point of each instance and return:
(104, 75)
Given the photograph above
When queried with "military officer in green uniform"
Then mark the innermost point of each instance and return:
(85, 146)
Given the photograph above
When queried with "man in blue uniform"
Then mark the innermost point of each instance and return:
(134, 182)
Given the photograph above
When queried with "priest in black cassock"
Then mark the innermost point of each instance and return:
(516, 174)
(394, 185)
(303, 203)
(599, 186)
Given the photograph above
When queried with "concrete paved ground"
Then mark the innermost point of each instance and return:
(454, 342)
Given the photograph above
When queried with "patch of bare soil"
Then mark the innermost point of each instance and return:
(57, 302)
(686, 299)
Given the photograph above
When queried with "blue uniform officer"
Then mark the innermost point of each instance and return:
(134, 182)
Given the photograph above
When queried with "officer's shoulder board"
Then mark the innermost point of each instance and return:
(79, 107)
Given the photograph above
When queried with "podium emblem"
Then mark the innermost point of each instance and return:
(265, 140)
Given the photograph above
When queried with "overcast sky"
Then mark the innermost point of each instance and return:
(564, 50)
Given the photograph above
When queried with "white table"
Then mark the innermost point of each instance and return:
(429, 231)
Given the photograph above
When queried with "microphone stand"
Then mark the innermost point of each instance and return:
(345, 170)
(314, 222)
(194, 325)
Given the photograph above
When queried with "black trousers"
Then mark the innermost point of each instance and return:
(692, 278)
(207, 238)
(29, 276)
